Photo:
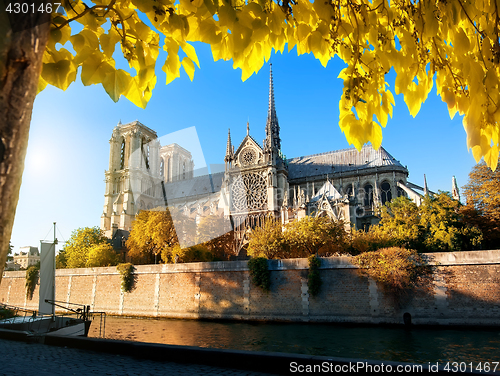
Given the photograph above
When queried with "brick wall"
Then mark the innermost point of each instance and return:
(465, 289)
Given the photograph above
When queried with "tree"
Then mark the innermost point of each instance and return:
(435, 226)
(369, 241)
(83, 243)
(195, 253)
(11, 247)
(102, 255)
(400, 221)
(444, 226)
(396, 269)
(154, 235)
(313, 235)
(482, 194)
(456, 42)
(23, 37)
(267, 241)
(217, 236)
(61, 259)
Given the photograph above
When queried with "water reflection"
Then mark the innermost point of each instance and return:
(398, 344)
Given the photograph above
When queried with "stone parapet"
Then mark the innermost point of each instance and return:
(465, 290)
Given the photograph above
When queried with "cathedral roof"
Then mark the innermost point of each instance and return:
(199, 185)
(339, 161)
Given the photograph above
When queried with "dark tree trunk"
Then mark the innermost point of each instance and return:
(23, 38)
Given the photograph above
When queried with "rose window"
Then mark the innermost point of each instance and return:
(248, 156)
(249, 192)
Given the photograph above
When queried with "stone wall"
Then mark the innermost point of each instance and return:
(465, 289)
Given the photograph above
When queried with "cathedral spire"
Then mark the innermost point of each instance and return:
(272, 126)
(229, 148)
(454, 189)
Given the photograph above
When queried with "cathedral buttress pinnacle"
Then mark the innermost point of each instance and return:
(272, 127)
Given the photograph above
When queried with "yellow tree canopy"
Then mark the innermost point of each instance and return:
(453, 44)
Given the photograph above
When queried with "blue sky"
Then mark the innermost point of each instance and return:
(68, 149)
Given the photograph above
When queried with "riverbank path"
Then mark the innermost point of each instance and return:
(27, 359)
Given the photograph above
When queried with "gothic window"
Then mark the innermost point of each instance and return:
(184, 170)
(122, 155)
(248, 156)
(368, 199)
(162, 167)
(349, 191)
(169, 163)
(249, 192)
(386, 193)
(145, 152)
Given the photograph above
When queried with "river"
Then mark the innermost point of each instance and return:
(416, 345)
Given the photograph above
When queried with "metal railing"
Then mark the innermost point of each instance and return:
(30, 320)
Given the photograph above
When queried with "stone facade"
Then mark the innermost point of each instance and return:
(138, 165)
(464, 291)
(27, 257)
(258, 182)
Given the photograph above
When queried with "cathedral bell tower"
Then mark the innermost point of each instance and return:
(256, 177)
(133, 171)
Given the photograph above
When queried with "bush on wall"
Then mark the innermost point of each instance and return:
(128, 276)
(398, 270)
(259, 271)
(31, 280)
(314, 278)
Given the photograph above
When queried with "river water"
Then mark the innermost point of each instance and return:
(416, 345)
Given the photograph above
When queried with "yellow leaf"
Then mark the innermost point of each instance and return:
(84, 38)
(188, 67)
(376, 135)
(116, 83)
(94, 68)
(303, 32)
(134, 94)
(59, 74)
(491, 157)
(461, 42)
(190, 52)
(227, 15)
(108, 42)
(171, 67)
(209, 32)
(41, 85)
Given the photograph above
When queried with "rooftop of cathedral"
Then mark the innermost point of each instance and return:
(338, 161)
(190, 188)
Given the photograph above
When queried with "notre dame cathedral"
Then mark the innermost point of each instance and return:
(258, 181)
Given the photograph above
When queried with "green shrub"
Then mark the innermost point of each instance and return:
(314, 278)
(259, 271)
(31, 279)
(128, 276)
(6, 313)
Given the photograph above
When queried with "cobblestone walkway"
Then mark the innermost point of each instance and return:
(26, 359)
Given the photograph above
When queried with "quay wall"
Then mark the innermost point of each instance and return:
(464, 290)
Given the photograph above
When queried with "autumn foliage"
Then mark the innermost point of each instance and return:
(482, 208)
(437, 225)
(86, 248)
(154, 238)
(301, 238)
(396, 269)
(451, 44)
